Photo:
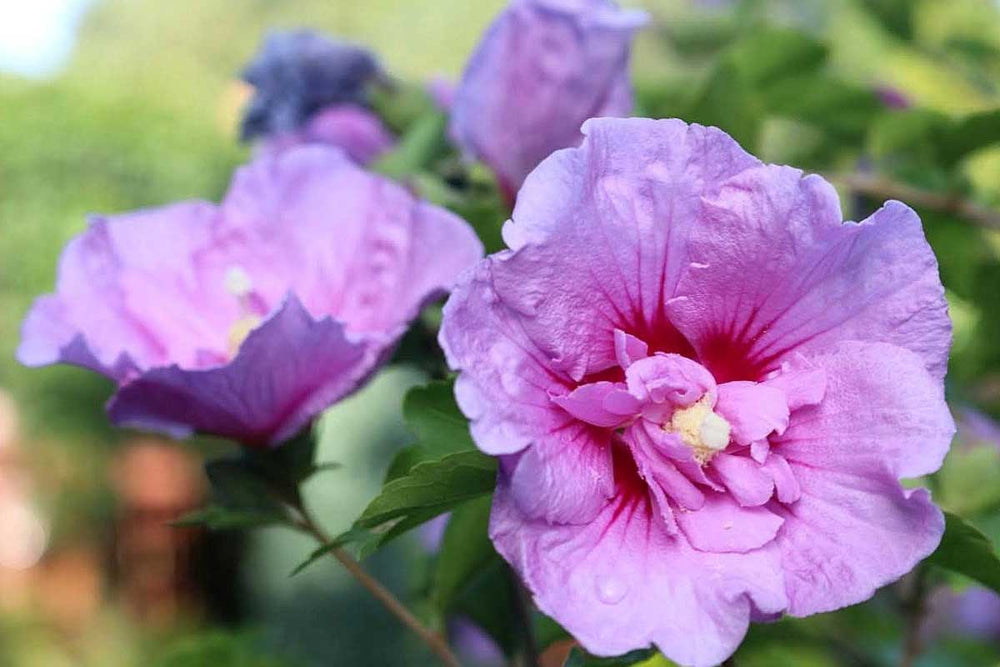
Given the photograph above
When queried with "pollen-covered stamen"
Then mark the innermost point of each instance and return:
(239, 284)
(701, 429)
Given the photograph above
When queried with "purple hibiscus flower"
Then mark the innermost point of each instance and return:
(703, 387)
(542, 68)
(246, 319)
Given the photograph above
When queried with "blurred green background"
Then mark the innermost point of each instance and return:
(145, 111)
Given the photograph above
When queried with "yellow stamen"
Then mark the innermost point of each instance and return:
(239, 332)
(701, 429)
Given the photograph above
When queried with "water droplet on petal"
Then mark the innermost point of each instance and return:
(611, 589)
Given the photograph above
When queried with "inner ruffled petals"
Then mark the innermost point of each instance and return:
(701, 451)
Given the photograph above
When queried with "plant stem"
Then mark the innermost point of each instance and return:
(433, 640)
(884, 188)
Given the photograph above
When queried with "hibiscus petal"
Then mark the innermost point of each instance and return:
(599, 233)
(621, 582)
(743, 477)
(722, 526)
(286, 371)
(815, 281)
(541, 70)
(801, 381)
(882, 410)
(753, 410)
(147, 250)
(848, 535)
(629, 349)
(604, 404)
(505, 385)
(786, 487)
(566, 477)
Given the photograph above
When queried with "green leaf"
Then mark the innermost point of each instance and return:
(242, 497)
(579, 658)
(434, 486)
(432, 414)
(965, 550)
(488, 602)
(725, 100)
(215, 517)
(290, 463)
(969, 480)
(976, 131)
(238, 487)
(896, 16)
(839, 107)
(423, 142)
(465, 550)
(770, 54)
(410, 498)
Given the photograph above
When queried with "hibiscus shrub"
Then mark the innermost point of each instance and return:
(682, 402)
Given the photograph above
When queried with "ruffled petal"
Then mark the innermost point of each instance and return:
(565, 478)
(849, 535)
(753, 410)
(723, 526)
(882, 411)
(815, 280)
(599, 234)
(621, 582)
(286, 371)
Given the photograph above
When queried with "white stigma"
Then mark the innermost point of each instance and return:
(238, 281)
(701, 429)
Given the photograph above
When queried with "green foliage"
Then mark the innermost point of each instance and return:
(966, 484)
(417, 148)
(965, 550)
(217, 649)
(432, 414)
(465, 551)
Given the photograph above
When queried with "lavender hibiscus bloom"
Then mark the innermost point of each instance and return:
(246, 319)
(542, 68)
(703, 387)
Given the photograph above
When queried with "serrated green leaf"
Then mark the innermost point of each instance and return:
(465, 550)
(579, 658)
(423, 492)
(435, 485)
(965, 550)
(432, 414)
(404, 460)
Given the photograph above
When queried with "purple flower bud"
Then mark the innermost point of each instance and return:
(297, 73)
(542, 68)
